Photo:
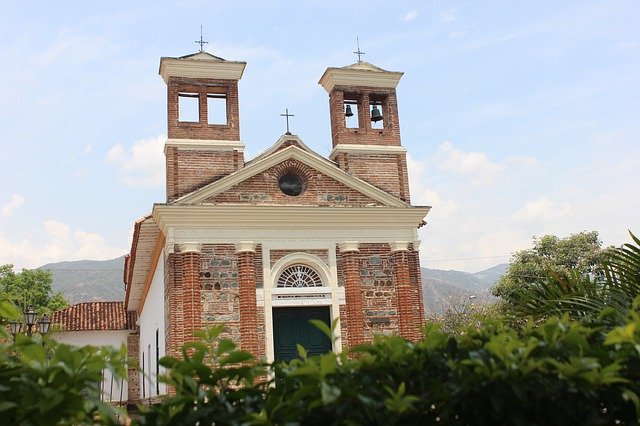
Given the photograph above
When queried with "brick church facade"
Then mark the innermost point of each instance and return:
(264, 245)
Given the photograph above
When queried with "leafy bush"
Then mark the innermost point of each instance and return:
(52, 384)
(558, 372)
(605, 299)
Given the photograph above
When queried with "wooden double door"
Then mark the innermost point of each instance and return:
(291, 326)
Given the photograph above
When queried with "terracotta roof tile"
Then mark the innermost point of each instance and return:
(90, 316)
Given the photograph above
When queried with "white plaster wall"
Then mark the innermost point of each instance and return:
(112, 389)
(151, 319)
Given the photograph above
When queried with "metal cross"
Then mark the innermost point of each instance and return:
(201, 42)
(358, 52)
(287, 115)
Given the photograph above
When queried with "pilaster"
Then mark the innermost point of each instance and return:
(353, 293)
(246, 251)
(405, 294)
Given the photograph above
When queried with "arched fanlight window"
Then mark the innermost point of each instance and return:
(299, 276)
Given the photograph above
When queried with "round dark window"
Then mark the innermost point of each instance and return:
(291, 184)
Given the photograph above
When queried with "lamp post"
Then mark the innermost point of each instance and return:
(29, 321)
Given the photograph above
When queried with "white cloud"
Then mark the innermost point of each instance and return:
(448, 15)
(10, 208)
(410, 16)
(59, 243)
(473, 164)
(542, 209)
(421, 193)
(142, 164)
(523, 161)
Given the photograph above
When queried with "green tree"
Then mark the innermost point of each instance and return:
(31, 288)
(606, 299)
(580, 253)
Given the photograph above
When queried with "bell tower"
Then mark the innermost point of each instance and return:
(203, 142)
(365, 130)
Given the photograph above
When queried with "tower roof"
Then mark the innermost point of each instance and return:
(201, 65)
(360, 74)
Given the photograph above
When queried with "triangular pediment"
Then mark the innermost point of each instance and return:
(285, 141)
(324, 183)
(203, 56)
(364, 65)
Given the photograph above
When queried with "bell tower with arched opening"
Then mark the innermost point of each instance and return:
(365, 129)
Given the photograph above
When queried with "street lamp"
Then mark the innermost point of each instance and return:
(30, 320)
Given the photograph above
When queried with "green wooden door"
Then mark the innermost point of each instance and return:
(291, 326)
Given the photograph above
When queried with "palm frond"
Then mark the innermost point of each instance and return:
(583, 297)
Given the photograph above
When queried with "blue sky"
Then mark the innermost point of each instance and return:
(520, 118)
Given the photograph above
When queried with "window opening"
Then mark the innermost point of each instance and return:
(299, 276)
(189, 107)
(351, 115)
(143, 377)
(375, 110)
(149, 376)
(216, 108)
(291, 184)
(157, 361)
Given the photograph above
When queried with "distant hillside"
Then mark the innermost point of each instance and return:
(441, 288)
(92, 280)
(88, 280)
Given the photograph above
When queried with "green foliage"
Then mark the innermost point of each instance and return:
(43, 382)
(579, 253)
(459, 318)
(31, 288)
(607, 299)
(213, 380)
(59, 385)
(558, 372)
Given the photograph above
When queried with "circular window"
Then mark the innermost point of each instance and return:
(291, 184)
(299, 276)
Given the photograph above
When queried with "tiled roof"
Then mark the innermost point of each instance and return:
(91, 316)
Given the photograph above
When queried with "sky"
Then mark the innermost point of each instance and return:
(520, 118)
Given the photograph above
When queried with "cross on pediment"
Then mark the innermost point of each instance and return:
(358, 52)
(201, 42)
(287, 115)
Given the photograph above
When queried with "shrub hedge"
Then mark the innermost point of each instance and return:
(558, 372)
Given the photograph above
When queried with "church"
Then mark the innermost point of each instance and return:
(262, 246)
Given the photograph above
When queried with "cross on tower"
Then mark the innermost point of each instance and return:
(201, 42)
(287, 115)
(358, 52)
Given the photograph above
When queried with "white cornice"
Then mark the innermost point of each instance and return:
(247, 217)
(204, 145)
(292, 152)
(246, 247)
(366, 149)
(198, 68)
(399, 246)
(359, 77)
(190, 247)
(348, 246)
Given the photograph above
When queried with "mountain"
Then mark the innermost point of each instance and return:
(443, 289)
(93, 280)
(88, 280)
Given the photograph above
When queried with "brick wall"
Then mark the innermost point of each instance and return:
(378, 289)
(220, 291)
(385, 171)
(133, 373)
(276, 255)
(201, 129)
(319, 190)
(188, 170)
